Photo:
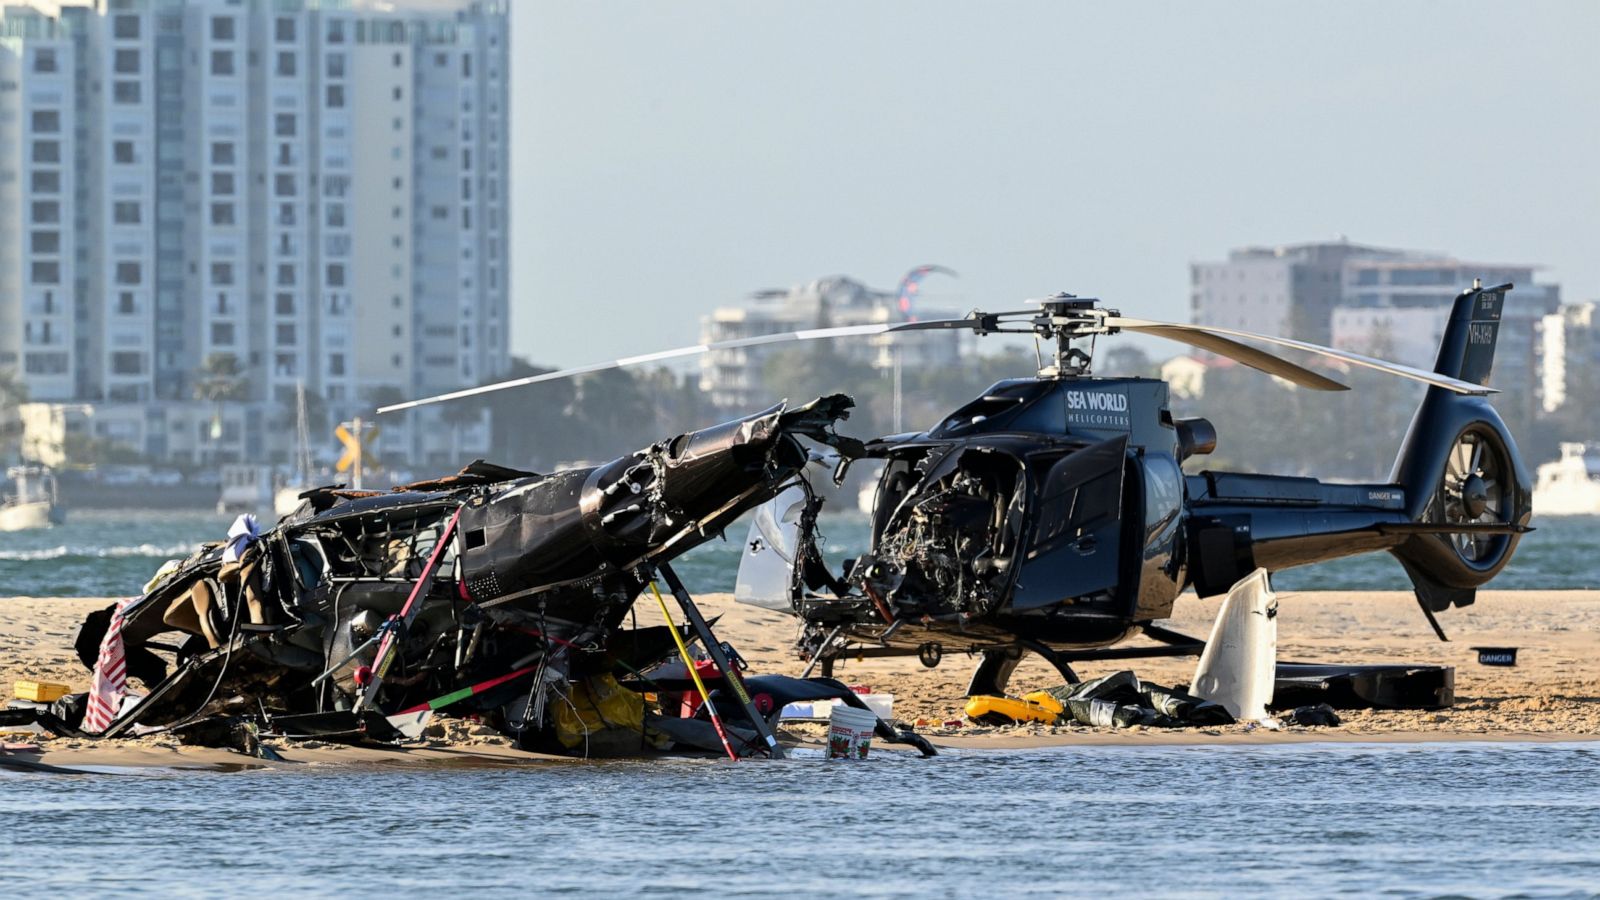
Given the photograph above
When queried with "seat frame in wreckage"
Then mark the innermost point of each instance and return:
(543, 571)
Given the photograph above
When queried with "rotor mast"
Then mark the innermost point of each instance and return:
(1067, 318)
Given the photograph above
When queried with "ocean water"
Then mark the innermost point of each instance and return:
(113, 552)
(1478, 820)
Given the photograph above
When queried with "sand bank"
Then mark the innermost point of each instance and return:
(1552, 694)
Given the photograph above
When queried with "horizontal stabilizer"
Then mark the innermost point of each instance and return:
(1453, 528)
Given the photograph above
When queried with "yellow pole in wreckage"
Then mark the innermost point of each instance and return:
(683, 651)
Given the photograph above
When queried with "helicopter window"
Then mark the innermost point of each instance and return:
(1163, 491)
(309, 564)
(981, 409)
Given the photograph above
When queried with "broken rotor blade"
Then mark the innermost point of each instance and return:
(1243, 353)
(1198, 335)
(976, 322)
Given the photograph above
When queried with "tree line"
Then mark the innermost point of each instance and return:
(1263, 425)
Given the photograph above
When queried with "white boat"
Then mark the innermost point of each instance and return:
(1570, 486)
(287, 499)
(35, 503)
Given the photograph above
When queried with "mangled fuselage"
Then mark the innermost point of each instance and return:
(535, 577)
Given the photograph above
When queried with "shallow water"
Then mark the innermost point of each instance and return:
(1406, 820)
(108, 553)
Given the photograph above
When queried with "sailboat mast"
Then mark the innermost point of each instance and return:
(897, 383)
(303, 433)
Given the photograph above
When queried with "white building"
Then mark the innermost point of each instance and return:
(316, 188)
(1185, 376)
(1570, 362)
(733, 378)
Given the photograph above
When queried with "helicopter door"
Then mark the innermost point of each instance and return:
(1076, 544)
(767, 565)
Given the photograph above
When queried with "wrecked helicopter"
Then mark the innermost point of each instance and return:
(493, 592)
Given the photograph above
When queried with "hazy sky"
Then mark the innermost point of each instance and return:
(672, 157)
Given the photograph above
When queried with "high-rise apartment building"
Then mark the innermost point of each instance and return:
(39, 200)
(315, 189)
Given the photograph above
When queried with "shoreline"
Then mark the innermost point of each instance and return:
(328, 760)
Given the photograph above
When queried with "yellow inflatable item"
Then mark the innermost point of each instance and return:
(1046, 700)
(1007, 711)
(603, 717)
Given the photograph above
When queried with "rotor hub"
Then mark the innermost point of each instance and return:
(1474, 496)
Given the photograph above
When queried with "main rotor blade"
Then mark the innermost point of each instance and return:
(1195, 334)
(973, 322)
(1244, 353)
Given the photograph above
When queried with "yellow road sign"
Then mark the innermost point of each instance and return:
(353, 448)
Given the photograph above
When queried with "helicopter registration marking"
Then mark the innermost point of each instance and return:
(1105, 409)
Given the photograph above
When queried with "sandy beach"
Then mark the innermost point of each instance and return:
(1552, 694)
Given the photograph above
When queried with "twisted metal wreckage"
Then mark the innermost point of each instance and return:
(494, 591)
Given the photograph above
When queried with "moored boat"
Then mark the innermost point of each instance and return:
(35, 504)
(1570, 486)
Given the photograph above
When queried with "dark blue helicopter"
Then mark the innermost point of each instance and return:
(1054, 514)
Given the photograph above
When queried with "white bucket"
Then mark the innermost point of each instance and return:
(850, 732)
(881, 704)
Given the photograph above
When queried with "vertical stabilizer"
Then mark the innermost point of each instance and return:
(1467, 350)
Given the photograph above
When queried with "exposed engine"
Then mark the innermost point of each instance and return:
(947, 548)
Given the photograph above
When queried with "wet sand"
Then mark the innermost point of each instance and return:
(1552, 694)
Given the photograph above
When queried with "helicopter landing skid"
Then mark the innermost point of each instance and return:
(999, 660)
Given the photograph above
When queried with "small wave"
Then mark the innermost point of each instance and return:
(62, 552)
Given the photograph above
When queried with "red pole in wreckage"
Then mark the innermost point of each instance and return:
(464, 693)
(397, 624)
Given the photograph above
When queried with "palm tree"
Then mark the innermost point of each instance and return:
(384, 395)
(13, 393)
(220, 379)
(457, 414)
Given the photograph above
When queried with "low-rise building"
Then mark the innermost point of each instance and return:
(734, 378)
(1397, 308)
(1289, 290)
